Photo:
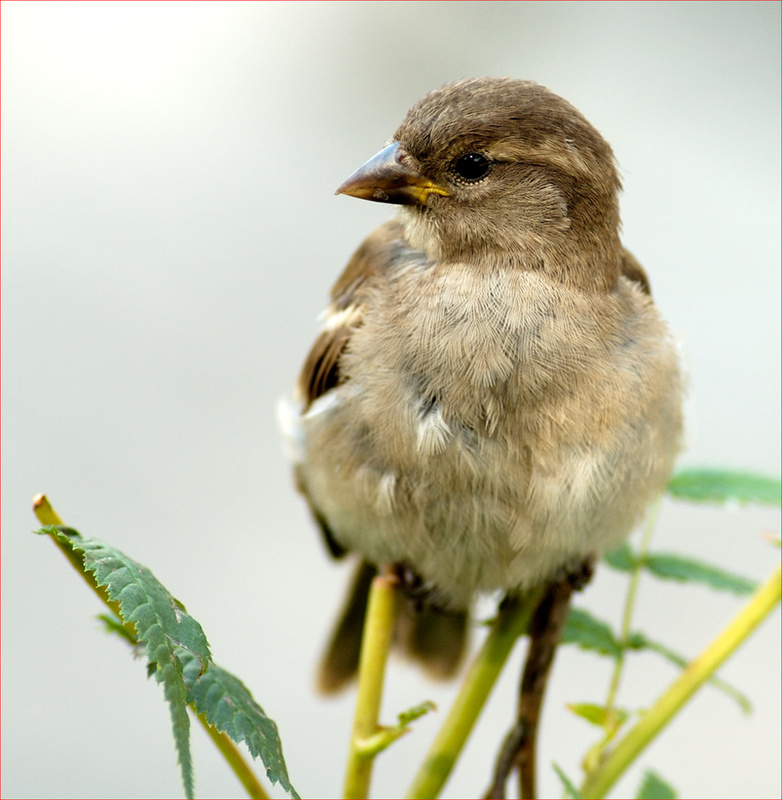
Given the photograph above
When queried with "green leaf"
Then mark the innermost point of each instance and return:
(592, 713)
(638, 641)
(163, 626)
(114, 624)
(622, 559)
(227, 704)
(723, 486)
(414, 713)
(653, 787)
(670, 566)
(589, 633)
(568, 785)
(596, 715)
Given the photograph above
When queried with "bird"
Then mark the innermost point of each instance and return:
(493, 397)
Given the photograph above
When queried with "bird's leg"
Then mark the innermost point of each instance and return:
(518, 749)
(421, 595)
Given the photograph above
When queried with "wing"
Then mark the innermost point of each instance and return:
(633, 270)
(321, 370)
(344, 314)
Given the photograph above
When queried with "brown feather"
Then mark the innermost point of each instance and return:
(321, 370)
(632, 269)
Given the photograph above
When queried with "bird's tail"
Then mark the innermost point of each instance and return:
(433, 637)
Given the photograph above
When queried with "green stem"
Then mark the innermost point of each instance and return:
(371, 672)
(759, 606)
(627, 615)
(511, 622)
(236, 760)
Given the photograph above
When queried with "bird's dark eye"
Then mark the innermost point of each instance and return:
(472, 167)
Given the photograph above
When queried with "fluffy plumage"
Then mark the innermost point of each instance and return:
(493, 396)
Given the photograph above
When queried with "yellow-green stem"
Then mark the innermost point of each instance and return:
(759, 606)
(511, 622)
(236, 761)
(44, 512)
(371, 673)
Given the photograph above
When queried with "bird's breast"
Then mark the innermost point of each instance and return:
(499, 416)
(449, 351)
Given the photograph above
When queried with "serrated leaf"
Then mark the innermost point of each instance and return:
(590, 633)
(724, 486)
(567, 784)
(670, 566)
(653, 787)
(227, 704)
(162, 626)
(638, 641)
(622, 559)
(170, 675)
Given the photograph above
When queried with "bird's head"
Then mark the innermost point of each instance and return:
(496, 170)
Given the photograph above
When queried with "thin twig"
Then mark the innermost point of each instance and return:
(629, 608)
(545, 631)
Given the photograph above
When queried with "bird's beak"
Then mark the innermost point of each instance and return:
(386, 178)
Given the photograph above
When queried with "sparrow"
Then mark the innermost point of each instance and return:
(493, 397)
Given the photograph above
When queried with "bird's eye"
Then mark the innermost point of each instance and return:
(472, 167)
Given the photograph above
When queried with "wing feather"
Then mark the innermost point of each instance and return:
(321, 370)
(632, 269)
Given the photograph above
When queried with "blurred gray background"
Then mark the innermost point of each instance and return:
(170, 234)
